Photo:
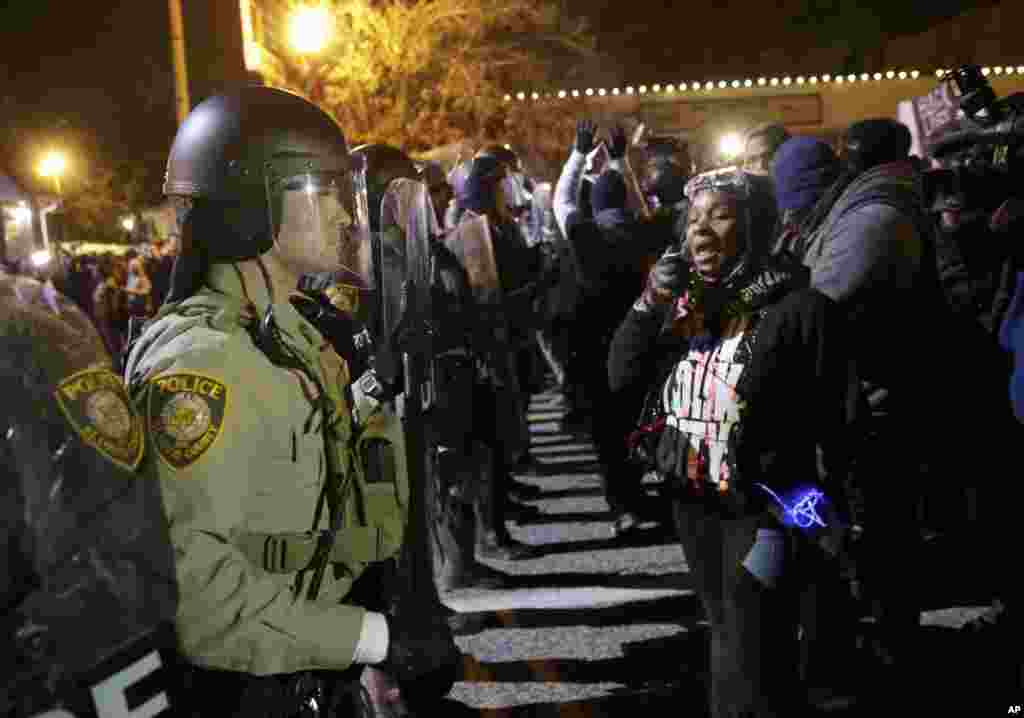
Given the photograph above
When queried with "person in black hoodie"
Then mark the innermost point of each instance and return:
(613, 252)
(752, 379)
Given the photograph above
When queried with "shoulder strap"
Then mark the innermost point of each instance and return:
(282, 553)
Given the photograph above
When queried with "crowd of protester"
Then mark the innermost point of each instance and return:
(809, 317)
(112, 289)
(802, 318)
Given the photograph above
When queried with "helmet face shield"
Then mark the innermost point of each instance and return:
(324, 222)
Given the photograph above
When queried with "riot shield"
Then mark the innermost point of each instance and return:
(89, 589)
(473, 247)
(408, 227)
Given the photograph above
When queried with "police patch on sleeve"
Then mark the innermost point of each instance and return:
(344, 298)
(185, 415)
(96, 405)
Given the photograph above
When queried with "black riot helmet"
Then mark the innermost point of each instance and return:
(237, 153)
(384, 164)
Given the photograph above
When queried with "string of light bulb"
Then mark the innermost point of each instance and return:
(783, 81)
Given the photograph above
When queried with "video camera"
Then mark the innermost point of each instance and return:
(982, 158)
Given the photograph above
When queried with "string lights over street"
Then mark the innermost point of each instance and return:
(761, 82)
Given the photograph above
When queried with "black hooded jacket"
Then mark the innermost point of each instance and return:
(750, 393)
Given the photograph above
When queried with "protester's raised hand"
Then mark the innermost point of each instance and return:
(617, 142)
(585, 132)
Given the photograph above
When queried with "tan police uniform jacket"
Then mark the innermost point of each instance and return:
(244, 457)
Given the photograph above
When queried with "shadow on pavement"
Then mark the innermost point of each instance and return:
(663, 703)
(665, 664)
(684, 610)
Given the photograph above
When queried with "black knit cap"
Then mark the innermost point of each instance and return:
(874, 142)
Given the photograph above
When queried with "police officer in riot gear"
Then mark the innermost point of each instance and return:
(88, 589)
(284, 483)
(384, 163)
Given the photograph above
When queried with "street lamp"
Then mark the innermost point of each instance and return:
(53, 165)
(21, 214)
(730, 145)
(40, 258)
(309, 29)
(128, 223)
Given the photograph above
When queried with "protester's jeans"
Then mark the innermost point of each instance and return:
(753, 631)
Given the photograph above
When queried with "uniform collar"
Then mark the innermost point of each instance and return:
(225, 280)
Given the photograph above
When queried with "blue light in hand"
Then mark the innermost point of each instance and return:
(802, 511)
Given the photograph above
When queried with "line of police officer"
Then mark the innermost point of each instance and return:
(313, 409)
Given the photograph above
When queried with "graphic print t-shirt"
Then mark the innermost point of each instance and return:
(701, 406)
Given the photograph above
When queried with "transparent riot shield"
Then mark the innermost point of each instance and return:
(473, 247)
(407, 229)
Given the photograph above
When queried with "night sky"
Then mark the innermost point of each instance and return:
(105, 64)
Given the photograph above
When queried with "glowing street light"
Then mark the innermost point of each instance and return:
(309, 29)
(128, 223)
(21, 214)
(53, 165)
(40, 257)
(731, 145)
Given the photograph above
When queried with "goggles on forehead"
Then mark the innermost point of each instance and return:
(729, 179)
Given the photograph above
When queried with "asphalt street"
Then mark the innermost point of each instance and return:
(602, 626)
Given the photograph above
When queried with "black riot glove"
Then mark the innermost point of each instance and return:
(585, 132)
(422, 657)
(668, 278)
(617, 142)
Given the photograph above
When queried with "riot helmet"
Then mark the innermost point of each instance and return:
(516, 186)
(259, 160)
(384, 163)
(441, 190)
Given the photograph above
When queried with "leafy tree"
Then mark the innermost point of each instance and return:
(96, 191)
(424, 73)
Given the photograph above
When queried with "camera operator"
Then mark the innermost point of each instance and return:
(975, 197)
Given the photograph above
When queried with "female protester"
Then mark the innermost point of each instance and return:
(752, 380)
(109, 304)
(138, 287)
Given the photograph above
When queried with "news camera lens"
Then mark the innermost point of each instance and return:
(969, 78)
(977, 99)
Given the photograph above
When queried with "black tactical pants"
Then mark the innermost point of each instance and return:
(753, 632)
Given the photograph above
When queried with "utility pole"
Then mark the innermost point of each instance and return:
(178, 60)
